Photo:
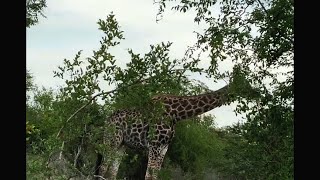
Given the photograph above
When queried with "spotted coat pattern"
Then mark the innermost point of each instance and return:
(132, 130)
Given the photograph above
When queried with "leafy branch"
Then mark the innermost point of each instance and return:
(94, 97)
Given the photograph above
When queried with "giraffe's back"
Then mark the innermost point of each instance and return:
(134, 130)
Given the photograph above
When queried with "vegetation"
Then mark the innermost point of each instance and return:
(34, 9)
(256, 36)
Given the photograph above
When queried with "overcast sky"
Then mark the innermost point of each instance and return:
(71, 25)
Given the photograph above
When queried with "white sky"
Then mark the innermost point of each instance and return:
(71, 25)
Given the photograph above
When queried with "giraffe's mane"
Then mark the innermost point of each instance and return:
(160, 96)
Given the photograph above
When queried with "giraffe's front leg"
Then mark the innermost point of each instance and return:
(155, 160)
(116, 163)
(109, 168)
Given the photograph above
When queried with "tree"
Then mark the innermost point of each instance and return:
(143, 77)
(262, 147)
(34, 9)
(67, 138)
(197, 148)
(257, 36)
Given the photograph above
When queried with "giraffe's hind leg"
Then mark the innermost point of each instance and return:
(155, 160)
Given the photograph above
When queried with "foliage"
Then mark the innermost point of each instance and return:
(254, 35)
(46, 115)
(136, 83)
(29, 81)
(31, 132)
(142, 78)
(34, 8)
(133, 165)
(196, 147)
(257, 37)
(35, 168)
(49, 110)
(269, 134)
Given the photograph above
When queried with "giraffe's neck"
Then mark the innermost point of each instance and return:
(183, 107)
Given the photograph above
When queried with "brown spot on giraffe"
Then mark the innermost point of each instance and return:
(204, 99)
(188, 107)
(190, 113)
(180, 108)
(198, 110)
(201, 103)
(175, 105)
(182, 113)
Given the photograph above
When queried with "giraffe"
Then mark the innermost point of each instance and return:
(135, 134)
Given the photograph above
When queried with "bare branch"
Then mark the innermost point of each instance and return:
(262, 6)
(79, 148)
(61, 150)
(99, 177)
(77, 155)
